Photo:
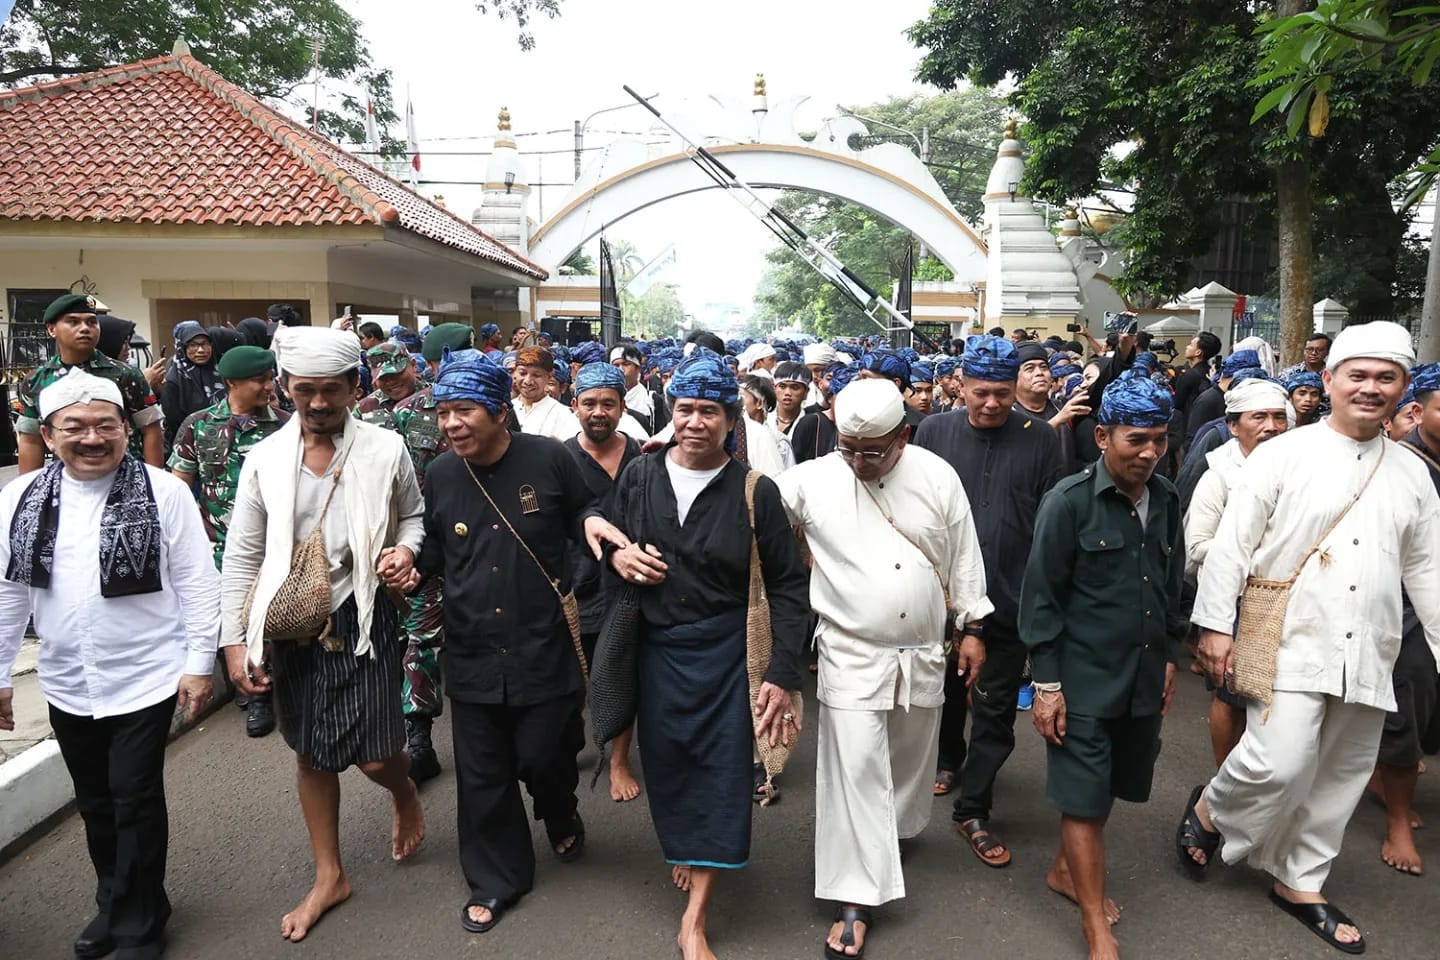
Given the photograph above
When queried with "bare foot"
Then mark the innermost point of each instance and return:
(838, 928)
(322, 896)
(478, 914)
(623, 785)
(1059, 880)
(1103, 945)
(680, 876)
(692, 942)
(1399, 851)
(409, 830)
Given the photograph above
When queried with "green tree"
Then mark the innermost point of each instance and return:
(1307, 59)
(263, 46)
(626, 260)
(1154, 98)
(659, 313)
(961, 129)
(580, 263)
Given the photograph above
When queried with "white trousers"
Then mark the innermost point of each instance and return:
(874, 786)
(1283, 797)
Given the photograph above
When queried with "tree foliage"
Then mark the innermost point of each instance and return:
(1155, 98)
(265, 47)
(962, 127)
(659, 313)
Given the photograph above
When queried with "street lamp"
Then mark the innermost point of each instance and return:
(580, 129)
(921, 145)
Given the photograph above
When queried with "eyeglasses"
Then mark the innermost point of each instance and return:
(1321, 349)
(867, 456)
(106, 431)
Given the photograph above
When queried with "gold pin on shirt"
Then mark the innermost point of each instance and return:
(461, 530)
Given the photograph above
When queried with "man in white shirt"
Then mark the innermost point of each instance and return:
(538, 413)
(1358, 519)
(338, 699)
(881, 641)
(1254, 412)
(96, 539)
(628, 359)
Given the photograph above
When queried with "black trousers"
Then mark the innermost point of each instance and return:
(497, 747)
(118, 767)
(992, 722)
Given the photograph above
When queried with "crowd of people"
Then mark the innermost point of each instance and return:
(365, 525)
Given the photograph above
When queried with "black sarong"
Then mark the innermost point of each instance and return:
(696, 736)
(338, 709)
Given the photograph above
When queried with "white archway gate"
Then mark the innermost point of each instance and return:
(911, 202)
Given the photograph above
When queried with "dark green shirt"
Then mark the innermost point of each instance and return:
(1100, 605)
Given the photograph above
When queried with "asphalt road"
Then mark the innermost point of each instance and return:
(239, 860)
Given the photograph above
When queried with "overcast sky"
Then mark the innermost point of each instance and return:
(461, 66)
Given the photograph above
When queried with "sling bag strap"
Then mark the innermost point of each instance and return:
(1413, 448)
(878, 506)
(568, 603)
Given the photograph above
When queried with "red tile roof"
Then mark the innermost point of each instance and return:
(169, 141)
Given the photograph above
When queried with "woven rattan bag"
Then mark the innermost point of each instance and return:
(758, 645)
(300, 609)
(1262, 617)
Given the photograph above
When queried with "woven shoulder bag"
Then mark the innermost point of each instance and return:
(1263, 605)
(759, 642)
(300, 609)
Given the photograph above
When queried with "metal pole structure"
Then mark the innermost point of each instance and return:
(580, 129)
(820, 259)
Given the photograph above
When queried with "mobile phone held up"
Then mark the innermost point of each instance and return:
(1122, 322)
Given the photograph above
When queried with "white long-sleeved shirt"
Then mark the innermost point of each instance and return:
(1207, 504)
(1342, 628)
(637, 398)
(882, 610)
(107, 656)
(547, 417)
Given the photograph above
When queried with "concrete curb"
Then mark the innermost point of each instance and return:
(36, 791)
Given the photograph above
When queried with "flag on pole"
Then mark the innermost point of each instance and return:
(645, 278)
(412, 141)
(372, 135)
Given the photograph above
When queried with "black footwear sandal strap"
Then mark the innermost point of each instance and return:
(1192, 835)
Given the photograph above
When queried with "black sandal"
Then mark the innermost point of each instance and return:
(849, 916)
(976, 833)
(944, 782)
(575, 827)
(496, 908)
(1321, 919)
(1191, 835)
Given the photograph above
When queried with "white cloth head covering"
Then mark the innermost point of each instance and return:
(868, 408)
(819, 353)
(316, 351)
(1262, 347)
(842, 357)
(1377, 340)
(78, 386)
(1255, 394)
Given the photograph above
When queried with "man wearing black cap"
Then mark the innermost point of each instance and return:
(71, 321)
(211, 445)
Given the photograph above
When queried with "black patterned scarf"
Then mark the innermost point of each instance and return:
(129, 532)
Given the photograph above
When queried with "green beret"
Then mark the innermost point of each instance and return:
(73, 303)
(244, 362)
(456, 336)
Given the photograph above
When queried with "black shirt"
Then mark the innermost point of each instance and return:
(1190, 384)
(594, 581)
(709, 557)
(1204, 408)
(814, 436)
(506, 640)
(1005, 470)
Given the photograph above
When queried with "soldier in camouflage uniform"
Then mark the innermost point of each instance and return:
(71, 321)
(210, 447)
(395, 405)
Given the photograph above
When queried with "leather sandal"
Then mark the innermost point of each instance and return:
(1191, 835)
(575, 827)
(496, 908)
(944, 782)
(849, 916)
(982, 841)
(1321, 919)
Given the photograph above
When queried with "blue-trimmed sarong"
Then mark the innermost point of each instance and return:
(696, 739)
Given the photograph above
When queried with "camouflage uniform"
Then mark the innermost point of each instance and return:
(415, 419)
(211, 445)
(140, 401)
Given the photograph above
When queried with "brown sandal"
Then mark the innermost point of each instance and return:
(982, 841)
